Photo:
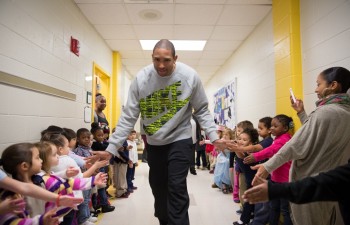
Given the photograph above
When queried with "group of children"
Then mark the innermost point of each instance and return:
(63, 163)
(233, 167)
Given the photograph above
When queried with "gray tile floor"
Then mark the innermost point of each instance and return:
(208, 206)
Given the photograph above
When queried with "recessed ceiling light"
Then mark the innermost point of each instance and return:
(180, 45)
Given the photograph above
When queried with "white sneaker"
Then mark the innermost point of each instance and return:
(87, 222)
(92, 219)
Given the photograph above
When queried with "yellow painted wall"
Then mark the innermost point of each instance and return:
(287, 48)
(116, 97)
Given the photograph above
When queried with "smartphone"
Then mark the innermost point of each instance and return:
(293, 96)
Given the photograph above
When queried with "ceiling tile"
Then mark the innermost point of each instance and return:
(211, 62)
(131, 54)
(154, 32)
(216, 54)
(185, 32)
(190, 62)
(105, 13)
(243, 14)
(119, 45)
(116, 31)
(207, 69)
(197, 14)
(136, 11)
(222, 45)
(134, 62)
(189, 54)
(235, 33)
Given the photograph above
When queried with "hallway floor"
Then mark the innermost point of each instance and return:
(208, 206)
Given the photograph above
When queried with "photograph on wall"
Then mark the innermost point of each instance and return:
(224, 105)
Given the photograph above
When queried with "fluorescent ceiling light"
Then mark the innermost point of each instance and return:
(180, 45)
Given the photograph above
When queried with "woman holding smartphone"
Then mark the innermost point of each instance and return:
(319, 145)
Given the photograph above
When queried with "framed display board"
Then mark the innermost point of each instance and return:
(225, 105)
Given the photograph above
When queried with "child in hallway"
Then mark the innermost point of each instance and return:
(130, 172)
(247, 137)
(239, 182)
(280, 126)
(22, 161)
(72, 142)
(121, 163)
(222, 167)
(67, 167)
(210, 150)
(33, 158)
(261, 210)
(100, 144)
(83, 149)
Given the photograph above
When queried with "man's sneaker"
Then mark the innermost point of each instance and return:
(92, 219)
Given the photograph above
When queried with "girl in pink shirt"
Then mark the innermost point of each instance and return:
(280, 126)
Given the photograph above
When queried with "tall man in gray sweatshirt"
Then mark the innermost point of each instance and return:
(165, 93)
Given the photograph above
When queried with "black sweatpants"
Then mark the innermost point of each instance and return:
(169, 166)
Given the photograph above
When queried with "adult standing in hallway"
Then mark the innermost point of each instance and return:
(165, 93)
(319, 145)
(99, 116)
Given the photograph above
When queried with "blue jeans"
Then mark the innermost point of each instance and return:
(84, 210)
(130, 173)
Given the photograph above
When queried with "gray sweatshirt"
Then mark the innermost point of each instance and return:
(165, 104)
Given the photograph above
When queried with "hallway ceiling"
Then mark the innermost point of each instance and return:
(224, 24)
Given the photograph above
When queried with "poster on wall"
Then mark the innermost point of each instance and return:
(224, 105)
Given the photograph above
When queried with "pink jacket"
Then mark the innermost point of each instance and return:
(281, 174)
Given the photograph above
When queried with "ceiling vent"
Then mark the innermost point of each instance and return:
(149, 1)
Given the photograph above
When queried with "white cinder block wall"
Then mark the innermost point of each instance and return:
(253, 65)
(34, 44)
(325, 38)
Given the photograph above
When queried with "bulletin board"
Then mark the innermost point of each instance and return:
(225, 105)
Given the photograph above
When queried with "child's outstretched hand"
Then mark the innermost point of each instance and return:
(69, 201)
(50, 217)
(100, 179)
(12, 205)
(101, 163)
(129, 147)
(249, 159)
(72, 171)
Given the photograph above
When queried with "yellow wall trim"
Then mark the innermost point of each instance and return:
(288, 62)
